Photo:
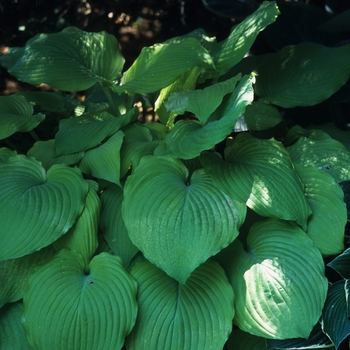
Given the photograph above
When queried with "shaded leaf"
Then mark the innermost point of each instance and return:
(341, 264)
(37, 207)
(295, 76)
(240, 340)
(66, 307)
(196, 315)
(16, 114)
(260, 174)
(335, 321)
(278, 281)
(112, 224)
(71, 60)
(167, 214)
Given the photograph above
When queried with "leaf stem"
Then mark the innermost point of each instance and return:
(34, 135)
(111, 100)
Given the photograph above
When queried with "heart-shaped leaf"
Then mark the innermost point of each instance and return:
(71, 60)
(194, 316)
(112, 224)
(82, 236)
(328, 219)
(167, 214)
(89, 130)
(278, 281)
(12, 334)
(103, 162)
(260, 174)
(66, 307)
(37, 207)
(341, 264)
(16, 114)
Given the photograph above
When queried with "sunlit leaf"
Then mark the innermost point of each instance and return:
(194, 316)
(278, 281)
(160, 65)
(328, 219)
(167, 214)
(37, 207)
(67, 307)
(260, 174)
(71, 60)
(16, 114)
(112, 224)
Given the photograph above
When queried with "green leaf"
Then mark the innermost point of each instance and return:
(194, 316)
(5, 154)
(329, 216)
(66, 307)
(138, 142)
(112, 224)
(16, 114)
(260, 174)
(89, 130)
(45, 152)
(12, 334)
(335, 321)
(187, 81)
(15, 272)
(322, 152)
(103, 162)
(167, 214)
(37, 207)
(203, 102)
(230, 51)
(71, 60)
(278, 281)
(82, 237)
(296, 76)
(160, 65)
(48, 101)
(341, 264)
(261, 116)
(240, 340)
(189, 138)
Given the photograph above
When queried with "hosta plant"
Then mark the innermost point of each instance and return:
(175, 232)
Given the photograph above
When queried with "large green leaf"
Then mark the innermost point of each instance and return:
(12, 334)
(103, 162)
(335, 320)
(67, 307)
(194, 316)
(160, 65)
(230, 51)
(70, 60)
(48, 101)
(82, 236)
(278, 281)
(296, 76)
(45, 152)
(189, 138)
(14, 274)
(176, 221)
(112, 224)
(16, 114)
(202, 102)
(322, 152)
(260, 174)
(89, 130)
(6, 153)
(37, 207)
(328, 219)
